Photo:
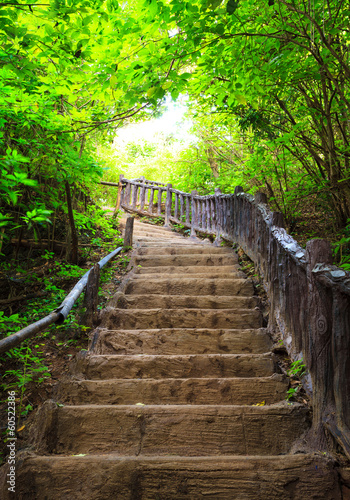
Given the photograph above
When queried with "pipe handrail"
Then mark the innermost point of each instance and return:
(58, 315)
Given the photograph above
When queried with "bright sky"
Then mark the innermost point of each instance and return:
(171, 122)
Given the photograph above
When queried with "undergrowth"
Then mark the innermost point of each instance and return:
(31, 289)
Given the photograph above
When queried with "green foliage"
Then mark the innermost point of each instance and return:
(296, 371)
(341, 249)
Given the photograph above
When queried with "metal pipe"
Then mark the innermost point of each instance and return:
(56, 316)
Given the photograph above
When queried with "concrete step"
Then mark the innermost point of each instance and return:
(185, 242)
(181, 341)
(183, 271)
(191, 286)
(153, 301)
(136, 319)
(153, 228)
(186, 260)
(181, 250)
(194, 391)
(137, 233)
(111, 477)
(179, 273)
(174, 430)
(162, 366)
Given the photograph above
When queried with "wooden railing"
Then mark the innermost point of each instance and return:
(309, 297)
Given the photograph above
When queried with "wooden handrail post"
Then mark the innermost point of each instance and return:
(119, 196)
(218, 206)
(134, 196)
(129, 228)
(126, 197)
(91, 297)
(150, 202)
(236, 214)
(260, 198)
(159, 201)
(193, 214)
(168, 205)
(318, 344)
(142, 196)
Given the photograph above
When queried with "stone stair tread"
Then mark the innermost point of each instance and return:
(178, 391)
(101, 477)
(181, 430)
(183, 271)
(153, 301)
(191, 286)
(96, 366)
(181, 318)
(179, 250)
(181, 341)
(185, 259)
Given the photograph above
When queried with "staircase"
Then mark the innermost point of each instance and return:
(178, 397)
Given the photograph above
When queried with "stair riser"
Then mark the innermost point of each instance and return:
(136, 319)
(158, 367)
(181, 341)
(216, 391)
(179, 431)
(191, 286)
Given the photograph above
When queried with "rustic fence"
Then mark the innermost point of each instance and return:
(309, 297)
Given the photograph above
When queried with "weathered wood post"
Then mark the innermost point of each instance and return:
(129, 228)
(207, 215)
(193, 214)
(204, 213)
(151, 198)
(236, 214)
(134, 196)
(91, 297)
(260, 198)
(218, 210)
(199, 213)
(142, 196)
(142, 179)
(338, 422)
(318, 341)
(188, 209)
(212, 214)
(182, 203)
(168, 205)
(176, 208)
(159, 203)
(119, 196)
(126, 198)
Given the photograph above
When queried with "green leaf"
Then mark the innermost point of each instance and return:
(231, 6)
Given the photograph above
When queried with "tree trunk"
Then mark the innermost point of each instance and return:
(74, 237)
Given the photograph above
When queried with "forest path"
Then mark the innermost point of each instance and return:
(166, 403)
